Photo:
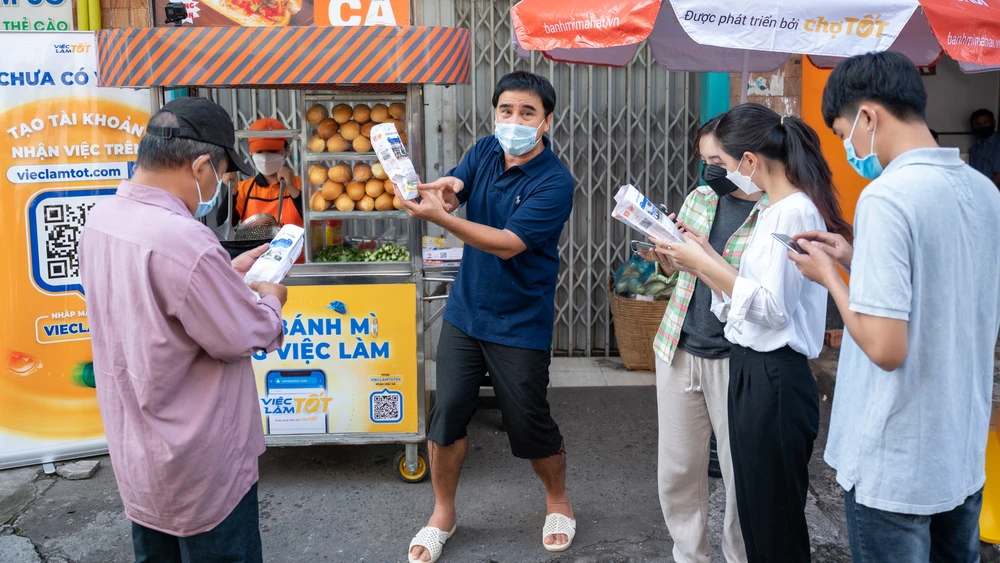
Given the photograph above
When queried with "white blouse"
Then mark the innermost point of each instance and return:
(773, 305)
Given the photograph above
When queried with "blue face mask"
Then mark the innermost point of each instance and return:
(515, 139)
(205, 207)
(868, 167)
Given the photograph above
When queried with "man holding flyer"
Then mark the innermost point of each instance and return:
(173, 329)
(500, 313)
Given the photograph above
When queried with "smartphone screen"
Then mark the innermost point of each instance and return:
(285, 391)
(639, 246)
(788, 243)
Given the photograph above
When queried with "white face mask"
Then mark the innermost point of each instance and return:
(268, 163)
(742, 181)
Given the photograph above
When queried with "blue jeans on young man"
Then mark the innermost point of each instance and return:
(878, 536)
(235, 540)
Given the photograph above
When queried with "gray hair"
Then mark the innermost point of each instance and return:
(158, 153)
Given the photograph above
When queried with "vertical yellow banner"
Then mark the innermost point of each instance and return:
(67, 144)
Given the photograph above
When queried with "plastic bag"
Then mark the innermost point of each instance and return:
(640, 279)
(632, 275)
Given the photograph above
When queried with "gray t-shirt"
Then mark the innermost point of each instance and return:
(926, 251)
(702, 334)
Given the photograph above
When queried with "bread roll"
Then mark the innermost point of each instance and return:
(356, 190)
(379, 172)
(390, 188)
(337, 143)
(400, 125)
(362, 172)
(316, 144)
(396, 203)
(332, 190)
(327, 128)
(402, 137)
(340, 173)
(317, 174)
(374, 187)
(362, 144)
(383, 202)
(318, 203)
(380, 113)
(344, 203)
(367, 203)
(316, 114)
(362, 113)
(350, 130)
(342, 113)
(366, 129)
(397, 110)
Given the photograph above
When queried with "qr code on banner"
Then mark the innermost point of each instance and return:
(386, 406)
(56, 226)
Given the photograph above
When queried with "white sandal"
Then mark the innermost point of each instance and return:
(558, 524)
(431, 539)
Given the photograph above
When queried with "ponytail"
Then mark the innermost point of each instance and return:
(807, 169)
(790, 141)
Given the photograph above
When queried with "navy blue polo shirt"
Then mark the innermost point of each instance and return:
(511, 302)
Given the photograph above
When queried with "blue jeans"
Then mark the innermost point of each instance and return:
(878, 536)
(235, 540)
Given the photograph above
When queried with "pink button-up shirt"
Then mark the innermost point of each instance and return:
(173, 328)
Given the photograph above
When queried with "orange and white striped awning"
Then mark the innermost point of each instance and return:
(282, 57)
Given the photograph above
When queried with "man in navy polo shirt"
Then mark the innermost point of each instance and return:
(500, 312)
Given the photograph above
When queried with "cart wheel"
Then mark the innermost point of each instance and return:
(404, 474)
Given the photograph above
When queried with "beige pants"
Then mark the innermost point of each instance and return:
(691, 402)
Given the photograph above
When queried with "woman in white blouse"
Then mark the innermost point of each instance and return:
(775, 319)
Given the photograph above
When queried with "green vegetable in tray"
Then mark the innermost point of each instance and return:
(388, 252)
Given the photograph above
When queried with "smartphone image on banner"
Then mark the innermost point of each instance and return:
(291, 385)
(639, 246)
(788, 243)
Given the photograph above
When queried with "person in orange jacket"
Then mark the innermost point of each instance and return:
(260, 193)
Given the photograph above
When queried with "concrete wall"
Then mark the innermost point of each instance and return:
(952, 96)
(780, 90)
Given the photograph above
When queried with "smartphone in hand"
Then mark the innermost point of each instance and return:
(788, 243)
(639, 246)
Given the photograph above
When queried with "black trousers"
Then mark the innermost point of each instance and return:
(520, 379)
(235, 540)
(773, 422)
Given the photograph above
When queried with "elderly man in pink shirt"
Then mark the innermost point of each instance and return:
(173, 329)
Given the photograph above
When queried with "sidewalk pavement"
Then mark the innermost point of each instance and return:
(344, 504)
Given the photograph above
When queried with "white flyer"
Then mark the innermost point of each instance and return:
(639, 213)
(396, 163)
(274, 265)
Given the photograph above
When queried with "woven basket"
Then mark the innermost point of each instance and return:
(636, 323)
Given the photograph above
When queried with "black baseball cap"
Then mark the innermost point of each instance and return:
(201, 119)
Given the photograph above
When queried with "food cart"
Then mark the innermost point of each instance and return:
(351, 369)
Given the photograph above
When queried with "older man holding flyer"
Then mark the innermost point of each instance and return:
(173, 328)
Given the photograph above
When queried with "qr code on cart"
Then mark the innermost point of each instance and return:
(56, 220)
(386, 406)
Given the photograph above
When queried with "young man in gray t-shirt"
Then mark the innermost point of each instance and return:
(914, 386)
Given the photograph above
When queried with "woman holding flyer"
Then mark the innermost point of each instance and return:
(775, 319)
(692, 366)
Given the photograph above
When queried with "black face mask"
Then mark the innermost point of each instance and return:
(715, 177)
(984, 132)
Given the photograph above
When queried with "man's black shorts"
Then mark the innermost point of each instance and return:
(520, 379)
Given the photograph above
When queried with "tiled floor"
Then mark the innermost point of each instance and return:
(584, 372)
